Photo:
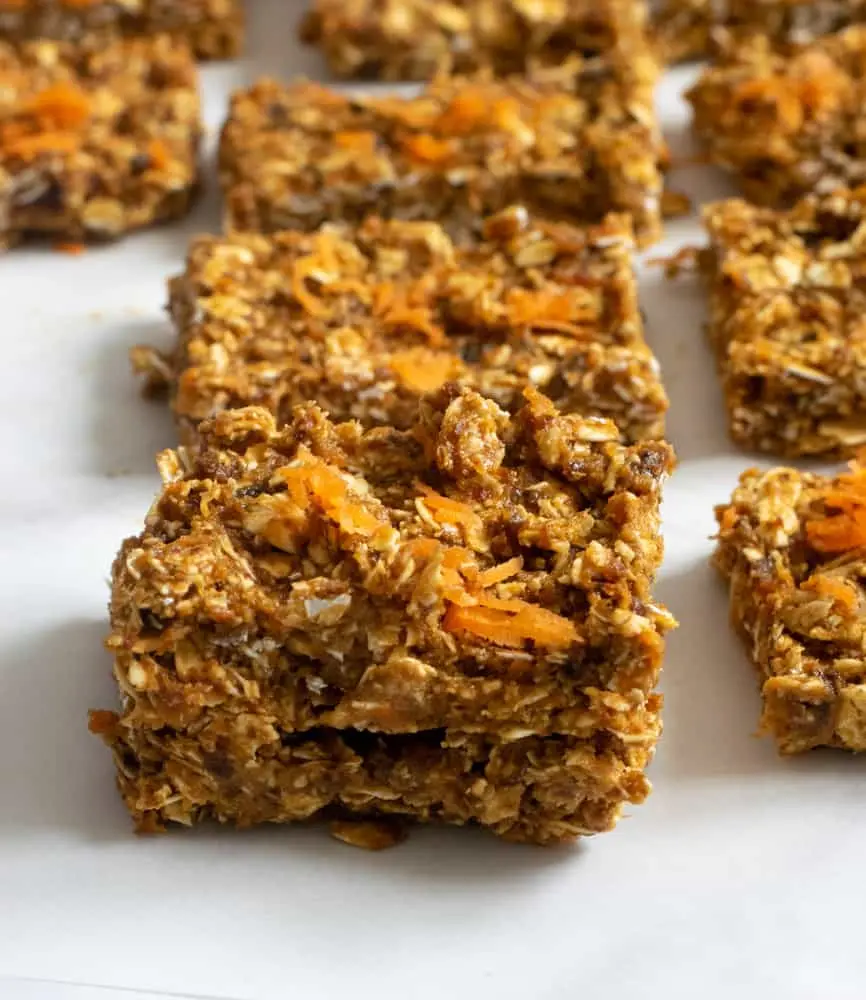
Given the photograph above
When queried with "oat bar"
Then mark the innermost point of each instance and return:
(366, 320)
(791, 546)
(412, 39)
(452, 622)
(787, 125)
(788, 322)
(690, 28)
(574, 143)
(98, 140)
(214, 28)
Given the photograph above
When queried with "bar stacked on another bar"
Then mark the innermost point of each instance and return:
(365, 320)
(788, 322)
(96, 140)
(213, 28)
(787, 124)
(573, 143)
(453, 622)
(413, 39)
(792, 546)
(690, 28)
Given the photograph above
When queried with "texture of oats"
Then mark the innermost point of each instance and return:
(453, 622)
(96, 140)
(791, 546)
(365, 320)
(786, 124)
(213, 28)
(788, 322)
(413, 39)
(572, 143)
(687, 29)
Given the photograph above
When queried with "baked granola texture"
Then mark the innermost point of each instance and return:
(365, 320)
(415, 39)
(96, 140)
(786, 124)
(453, 622)
(791, 546)
(788, 322)
(213, 28)
(687, 29)
(572, 143)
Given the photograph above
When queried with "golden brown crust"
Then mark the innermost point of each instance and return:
(478, 574)
(572, 143)
(96, 140)
(787, 307)
(365, 320)
(795, 570)
(213, 28)
(413, 39)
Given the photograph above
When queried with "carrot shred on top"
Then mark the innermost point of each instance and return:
(428, 149)
(846, 529)
(841, 591)
(318, 482)
(423, 370)
(511, 628)
(496, 574)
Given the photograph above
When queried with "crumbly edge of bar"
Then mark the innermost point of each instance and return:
(228, 318)
(241, 769)
(820, 241)
(788, 395)
(221, 601)
(798, 611)
(423, 37)
(623, 132)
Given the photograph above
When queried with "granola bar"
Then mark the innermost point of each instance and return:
(213, 28)
(791, 545)
(691, 28)
(788, 322)
(366, 320)
(452, 622)
(787, 125)
(98, 140)
(574, 143)
(413, 39)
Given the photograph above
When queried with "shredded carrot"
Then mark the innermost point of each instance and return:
(839, 590)
(496, 574)
(361, 142)
(73, 249)
(845, 530)
(444, 508)
(28, 147)
(422, 370)
(540, 309)
(464, 113)
(60, 106)
(158, 154)
(396, 313)
(729, 518)
(512, 626)
(427, 148)
(318, 482)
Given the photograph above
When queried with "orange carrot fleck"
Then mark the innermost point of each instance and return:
(73, 249)
(840, 591)
(505, 628)
(159, 154)
(360, 142)
(422, 370)
(846, 529)
(496, 574)
(428, 149)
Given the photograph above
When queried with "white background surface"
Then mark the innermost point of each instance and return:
(742, 876)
